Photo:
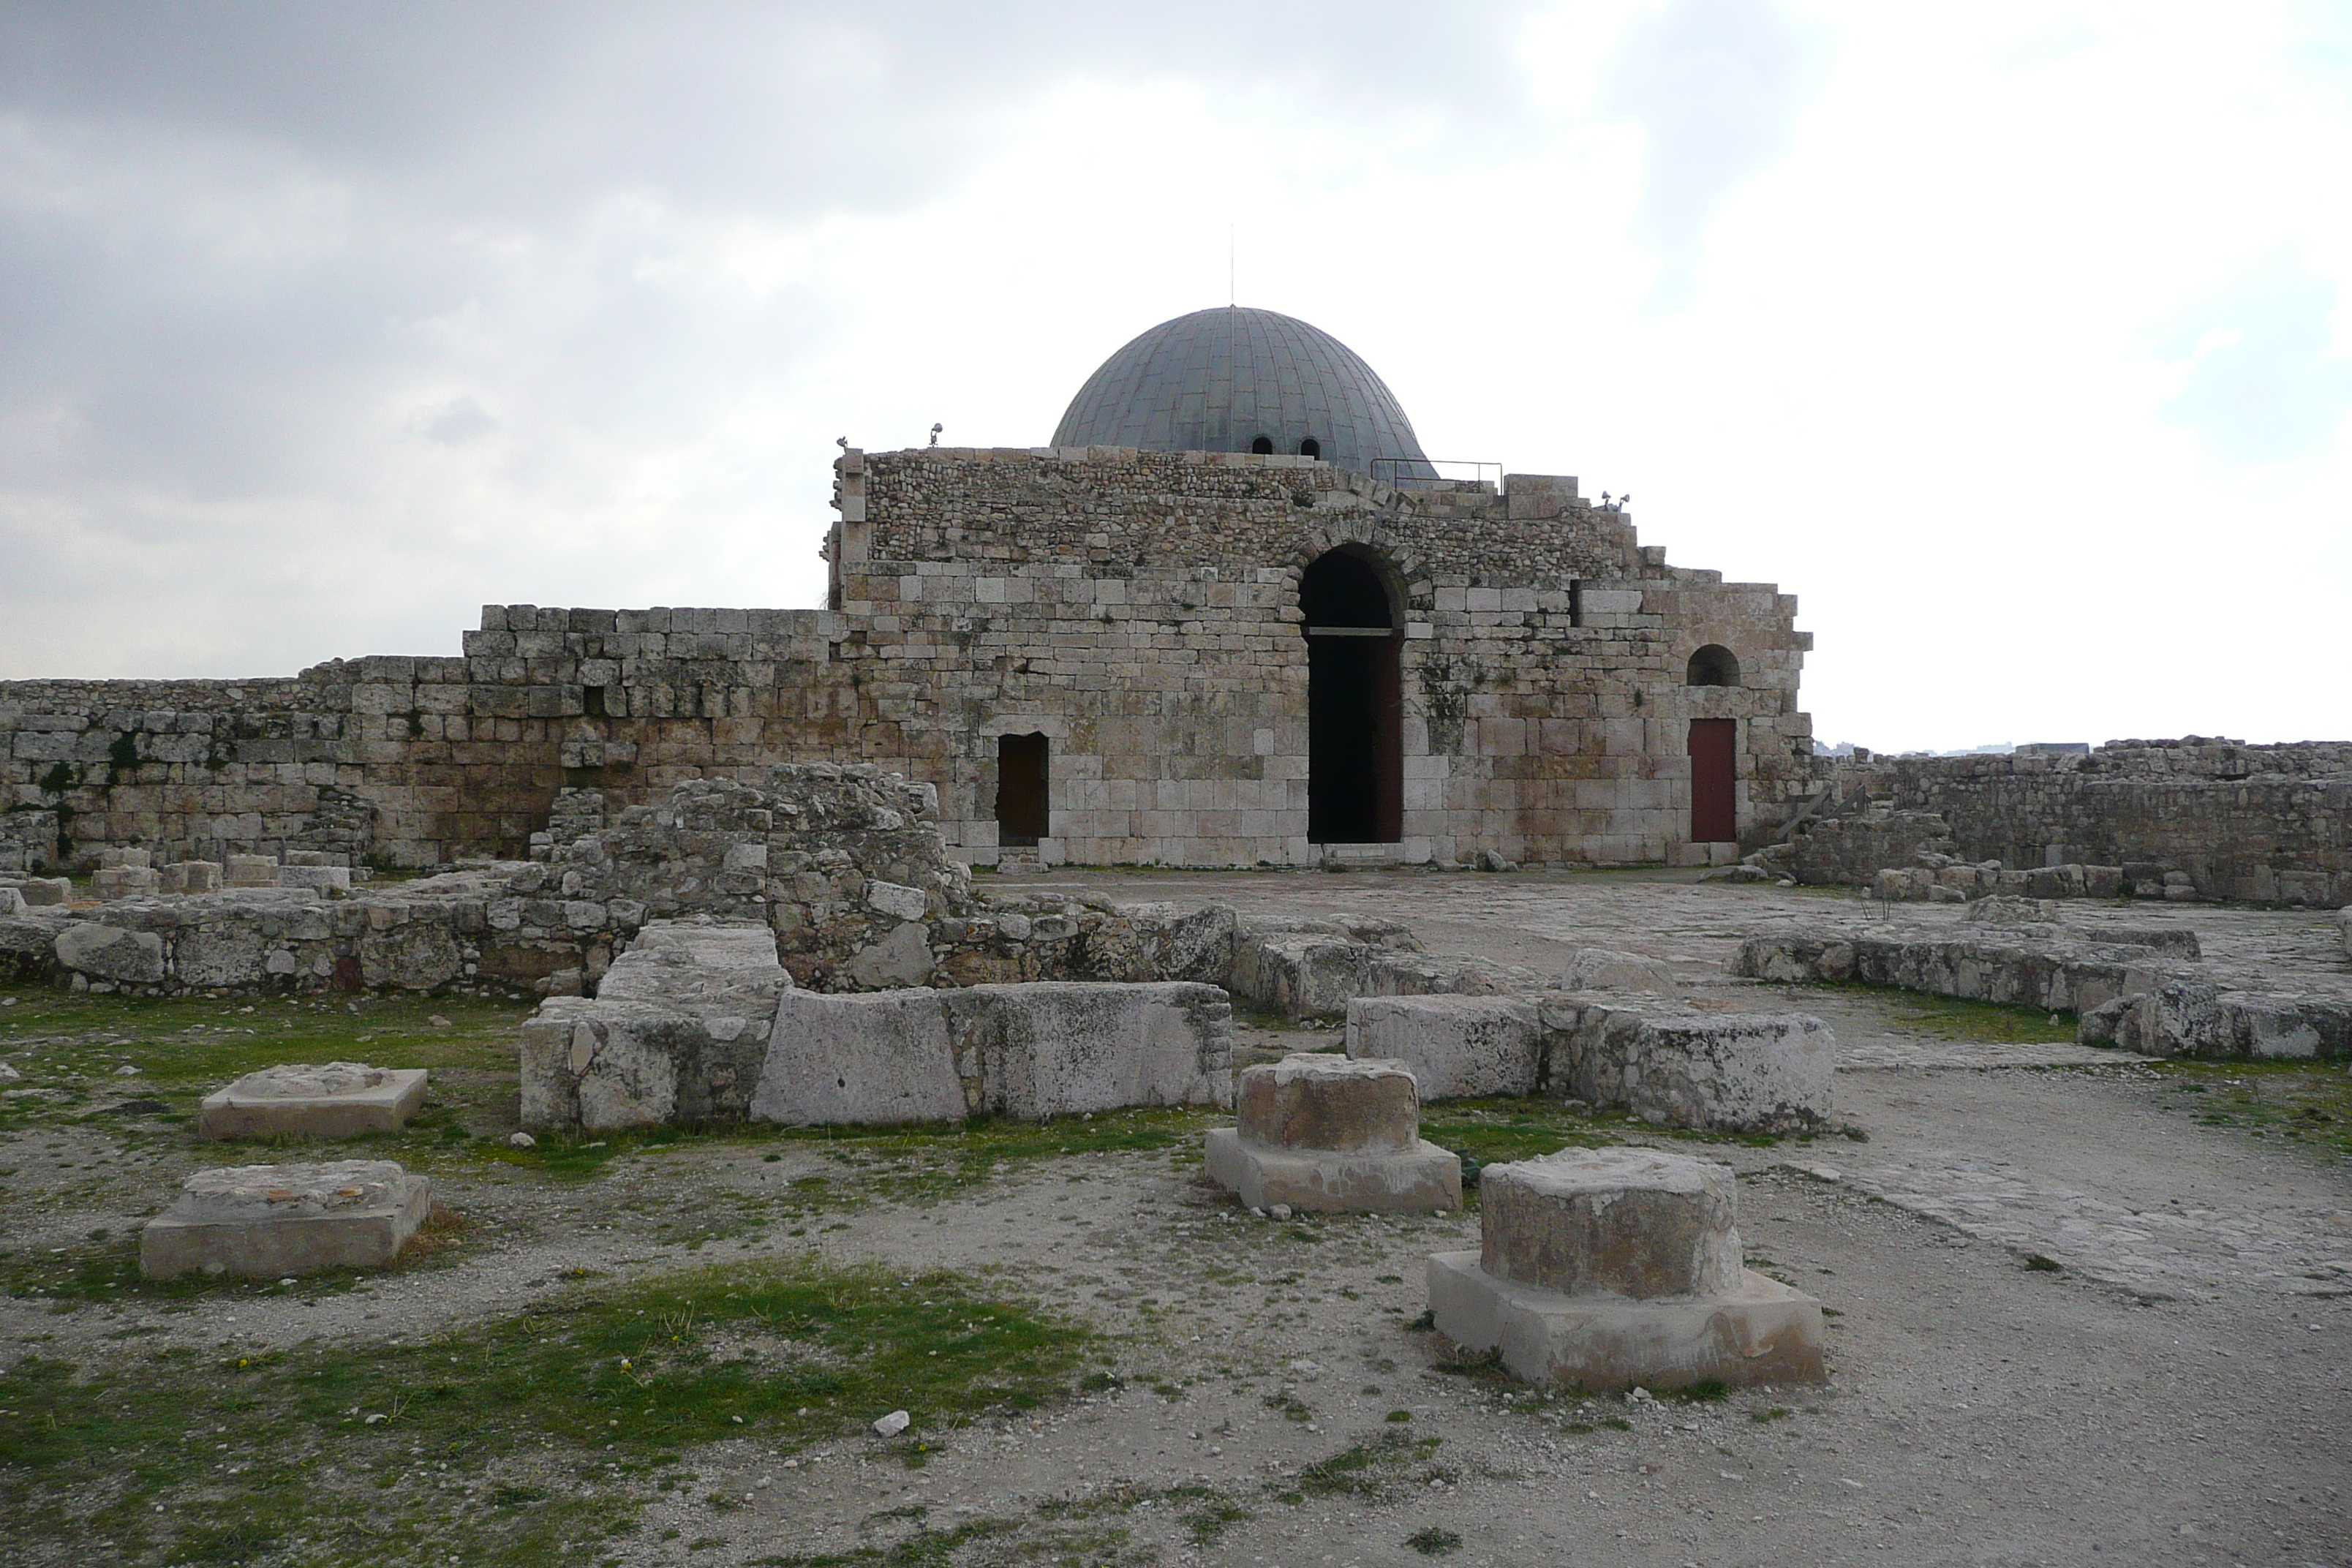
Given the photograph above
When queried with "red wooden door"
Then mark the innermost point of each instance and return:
(1715, 781)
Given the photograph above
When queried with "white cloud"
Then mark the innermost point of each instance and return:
(315, 347)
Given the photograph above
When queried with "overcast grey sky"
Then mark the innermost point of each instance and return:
(2013, 338)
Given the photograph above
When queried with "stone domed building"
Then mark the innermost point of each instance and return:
(1233, 616)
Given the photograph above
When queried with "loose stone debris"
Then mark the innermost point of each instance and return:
(1326, 1134)
(264, 1220)
(1605, 1269)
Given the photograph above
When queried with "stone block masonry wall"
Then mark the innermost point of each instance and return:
(1139, 609)
(195, 769)
(2267, 824)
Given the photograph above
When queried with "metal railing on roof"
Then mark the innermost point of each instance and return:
(1436, 473)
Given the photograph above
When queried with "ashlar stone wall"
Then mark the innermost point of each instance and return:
(1141, 610)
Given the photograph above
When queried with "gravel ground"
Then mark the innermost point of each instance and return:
(2172, 1390)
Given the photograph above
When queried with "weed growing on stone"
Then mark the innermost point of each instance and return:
(523, 1441)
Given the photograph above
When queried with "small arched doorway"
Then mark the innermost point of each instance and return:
(1355, 701)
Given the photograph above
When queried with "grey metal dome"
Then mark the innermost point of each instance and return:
(1221, 381)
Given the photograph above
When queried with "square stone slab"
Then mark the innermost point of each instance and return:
(267, 1221)
(1421, 1180)
(1318, 1101)
(339, 1100)
(1759, 1331)
(1633, 1221)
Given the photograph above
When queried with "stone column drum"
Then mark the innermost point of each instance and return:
(1320, 1131)
(1603, 1268)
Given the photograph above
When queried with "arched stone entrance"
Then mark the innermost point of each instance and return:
(1354, 701)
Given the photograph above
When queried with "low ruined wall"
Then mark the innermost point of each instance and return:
(845, 865)
(2265, 824)
(2140, 991)
(450, 931)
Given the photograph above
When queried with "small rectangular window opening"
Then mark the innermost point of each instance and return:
(1575, 602)
(593, 699)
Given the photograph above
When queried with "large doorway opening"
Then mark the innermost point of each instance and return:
(1355, 701)
(1715, 781)
(1021, 815)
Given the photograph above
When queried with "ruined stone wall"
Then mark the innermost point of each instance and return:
(2269, 824)
(198, 769)
(1139, 609)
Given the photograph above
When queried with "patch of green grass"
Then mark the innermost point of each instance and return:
(1370, 1468)
(1216, 1515)
(2304, 1102)
(1765, 1417)
(920, 1164)
(1433, 1542)
(1484, 1366)
(1706, 1391)
(186, 1047)
(1491, 1132)
(1205, 1514)
(481, 1439)
(1289, 1405)
(927, 1548)
(2036, 1263)
(106, 1271)
(1957, 1018)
